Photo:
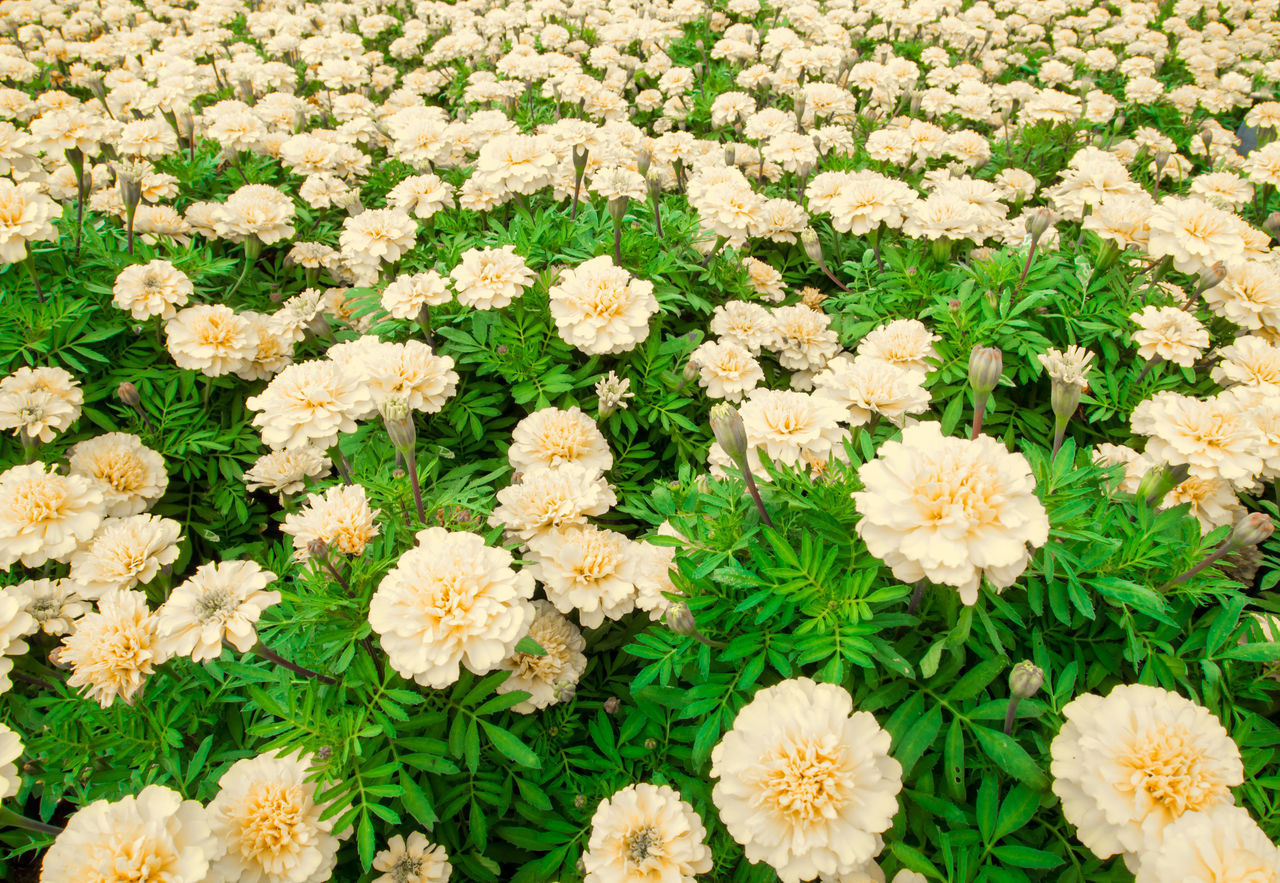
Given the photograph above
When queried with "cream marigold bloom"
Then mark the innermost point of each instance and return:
(450, 601)
(588, 569)
(310, 403)
(552, 676)
(646, 833)
(1249, 296)
(490, 278)
(266, 817)
(1222, 844)
(1214, 437)
(552, 437)
(210, 338)
(378, 235)
(547, 498)
(1249, 361)
(746, 323)
(1070, 367)
(950, 510)
(790, 425)
(287, 472)
(804, 783)
(1195, 234)
(10, 751)
(39, 402)
(803, 338)
(1128, 765)
(907, 343)
(125, 552)
(45, 515)
(26, 215)
(221, 600)
(341, 518)
(1169, 333)
(416, 860)
(53, 604)
(130, 475)
(114, 650)
(405, 296)
(411, 371)
(153, 837)
(726, 369)
(600, 308)
(151, 289)
(258, 210)
(865, 387)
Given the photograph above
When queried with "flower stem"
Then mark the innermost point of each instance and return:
(750, 480)
(917, 595)
(272, 656)
(1010, 714)
(411, 464)
(340, 461)
(30, 263)
(979, 410)
(10, 819)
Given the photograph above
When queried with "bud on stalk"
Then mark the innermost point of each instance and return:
(1253, 529)
(731, 434)
(617, 211)
(398, 419)
(986, 364)
(1025, 680)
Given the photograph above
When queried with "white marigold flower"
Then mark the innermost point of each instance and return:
(53, 604)
(15, 624)
(410, 371)
(588, 569)
(378, 235)
(10, 751)
(490, 278)
(726, 369)
(646, 832)
(1222, 844)
(44, 515)
(424, 195)
(1249, 296)
(1215, 437)
(601, 308)
(130, 475)
(790, 426)
(221, 600)
(907, 343)
(547, 498)
(516, 163)
(765, 280)
(749, 324)
(551, 677)
(553, 436)
(617, 181)
(805, 783)
(210, 338)
(113, 651)
(266, 817)
(451, 601)
(256, 210)
(287, 472)
(310, 403)
(154, 836)
(1195, 234)
(1249, 361)
(341, 518)
(1070, 367)
(1129, 765)
(1169, 333)
(125, 552)
(39, 402)
(405, 296)
(26, 215)
(416, 860)
(151, 289)
(951, 510)
(865, 387)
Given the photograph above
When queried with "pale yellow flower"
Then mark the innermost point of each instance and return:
(39, 402)
(45, 515)
(601, 308)
(221, 600)
(726, 369)
(10, 751)
(490, 278)
(405, 296)
(287, 471)
(1170, 333)
(155, 836)
(125, 552)
(151, 289)
(258, 210)
(26, 215)
(864, 387)
(790, 426)
(130, 475)
(341, 518)
(585, 568)
(310, 403)
(552, 437)
(547, 498)
(906, 343)
(1195, 234)
(1214, 437)
(267, 819)
(416, 860)
(804, 783)
(114, 650)
(210, 338)
(451, 601)
(646, 833)
(1222, 844)
(950, 510)
(552, 676)
(53, 604)
(1128, 765)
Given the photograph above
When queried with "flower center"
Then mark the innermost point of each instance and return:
(642, 843)
(213, 603)
(408, 868)
(271, 814)
(807, 781)
(1168, 768)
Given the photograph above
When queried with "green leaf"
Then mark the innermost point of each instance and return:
(988, 807)
(364, 841)
(918, 738)
(1016, 810)
(975, 680)
(1025, 857)
(415, 800)
(530, 646)
(1011, 757)
(1260, 652)
(510, 746)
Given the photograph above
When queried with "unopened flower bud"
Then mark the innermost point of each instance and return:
(653, 180)
(812, 247)
(730, 431)
(690, 371)
(579, 160)
(611, 705)
(1211, 276)
(323, 753)
(398, 419)
(1251, 530)
(618, 208)
(1038, 221)
(128, 393)
(579, 801)
(650, 744)
(954, 305)
(563, 691)
(1065, 398)
(986, 364)
(1025, 680)
(680, 619)
(1161, 158)
(317, 548)
(1272, 225)
(643, 158)
(730, 154)
(1159, 480)
(1206, 135)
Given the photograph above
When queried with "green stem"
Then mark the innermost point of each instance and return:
(10, 819)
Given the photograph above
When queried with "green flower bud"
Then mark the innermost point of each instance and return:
(1025, 680)
(398, 420)
(1251, 530)
(680, 620)
(618, 208)
(812, 247)
(986, 364)
(730, 431)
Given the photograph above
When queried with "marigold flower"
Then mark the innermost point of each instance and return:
(39, 402)
(341, 518)
(552, 676)
(125, 552)
(221, 600)
(114, 650)
(151, 289)
(416, 860)
(588, 569)
(45, 515)
(552, 437)
(490, 278)
(130, 475)
(646, 832)
(600, 308)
